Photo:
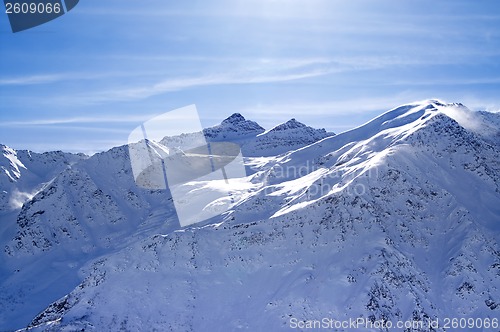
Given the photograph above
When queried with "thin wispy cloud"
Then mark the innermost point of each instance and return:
(456, 81)
(175, 84)
(262, 71)
(52, 78)
(61, 77)
(183, 83)
(178, 84)
(78, 120)
(31, 79)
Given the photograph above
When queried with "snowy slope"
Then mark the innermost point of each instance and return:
(395, 220)
(22, 173)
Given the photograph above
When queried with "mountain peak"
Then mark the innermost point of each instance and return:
(235, 118)
(290, 124)
(237, 122)
(436, 102)
(234, 126)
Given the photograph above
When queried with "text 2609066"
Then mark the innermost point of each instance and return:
(32, 8)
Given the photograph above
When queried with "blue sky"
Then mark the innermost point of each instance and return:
(84, 81)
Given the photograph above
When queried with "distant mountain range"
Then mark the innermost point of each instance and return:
(396, 220)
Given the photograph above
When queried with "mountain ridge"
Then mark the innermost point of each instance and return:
(290, 248)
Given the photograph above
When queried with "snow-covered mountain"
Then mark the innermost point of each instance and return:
(257, 142)
(22, 173)
(396, 220)
(254, 140)
(76, 209)
(91, 208)
(285, 137)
